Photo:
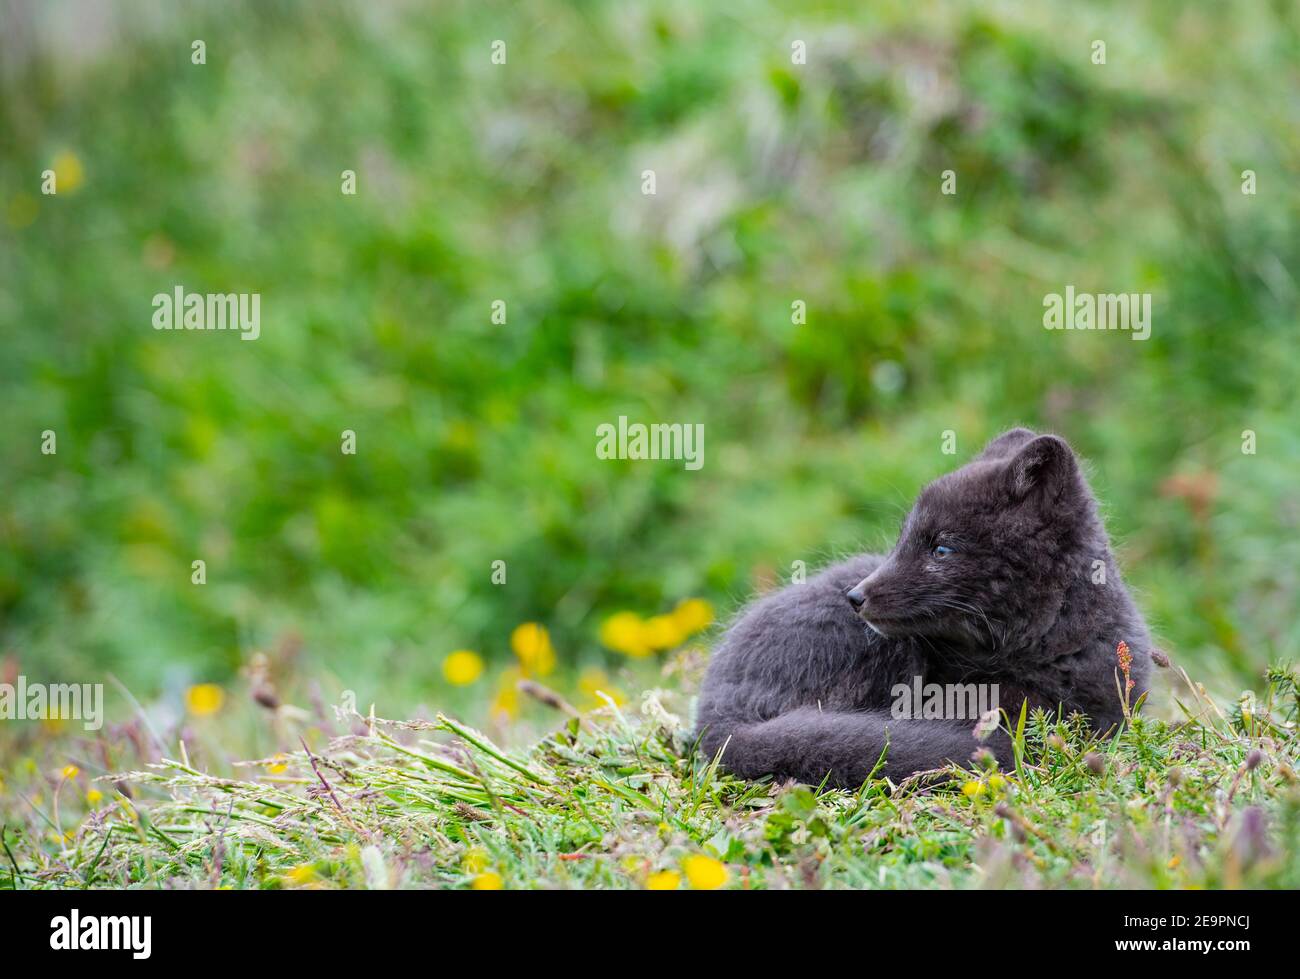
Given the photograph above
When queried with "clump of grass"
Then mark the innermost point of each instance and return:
(621, 799)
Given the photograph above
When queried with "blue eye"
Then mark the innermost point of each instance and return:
(942, 551)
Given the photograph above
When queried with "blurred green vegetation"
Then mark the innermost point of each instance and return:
(521, 182)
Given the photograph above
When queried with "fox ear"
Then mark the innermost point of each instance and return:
(1044, 465)
(1006, 443)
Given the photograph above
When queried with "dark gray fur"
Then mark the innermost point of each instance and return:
(800, 686)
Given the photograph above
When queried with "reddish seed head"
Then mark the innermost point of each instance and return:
(1125, 658)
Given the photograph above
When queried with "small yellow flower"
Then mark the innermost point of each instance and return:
(277, 766)
(506, 701)
(693, 615)
(532, 644)
(592, 679)
(474, 861)
(664, 880)
(704, 873)
(489, 881)
(663, 632)
(624, 632)
(304, 873)
(94, 797)
(997, 783)
(593, 682)
(972, 789)
(462, 667)
(204, 699)
(71, 771)
(68, 172)
(1174, 861)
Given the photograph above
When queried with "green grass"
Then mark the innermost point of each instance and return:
(616, 795)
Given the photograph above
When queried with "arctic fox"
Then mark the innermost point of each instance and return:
(1002, 574)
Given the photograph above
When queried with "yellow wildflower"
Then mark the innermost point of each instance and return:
(592, 679)
(532, 644)
(474, 861)
(304, 873)
(663, 632)
(489, 881)
(704, 873)
(664, 880)
(94, 797)
(204, 699)
(507, 699)
(593, 682)
(972, 788)
(462, 667)
(624, 632)
(68, 172)
(71, 771)
(693, 615)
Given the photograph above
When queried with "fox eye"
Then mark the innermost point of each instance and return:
(942, 550)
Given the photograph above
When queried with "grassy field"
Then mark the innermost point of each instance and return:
(617, 798)
(475, 541)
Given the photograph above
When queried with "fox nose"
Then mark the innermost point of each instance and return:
(857, 595)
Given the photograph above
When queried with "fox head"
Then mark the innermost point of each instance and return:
(988, 553)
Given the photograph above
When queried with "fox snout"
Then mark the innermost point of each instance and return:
(857, 595)
(860, 594)
(876, 598)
